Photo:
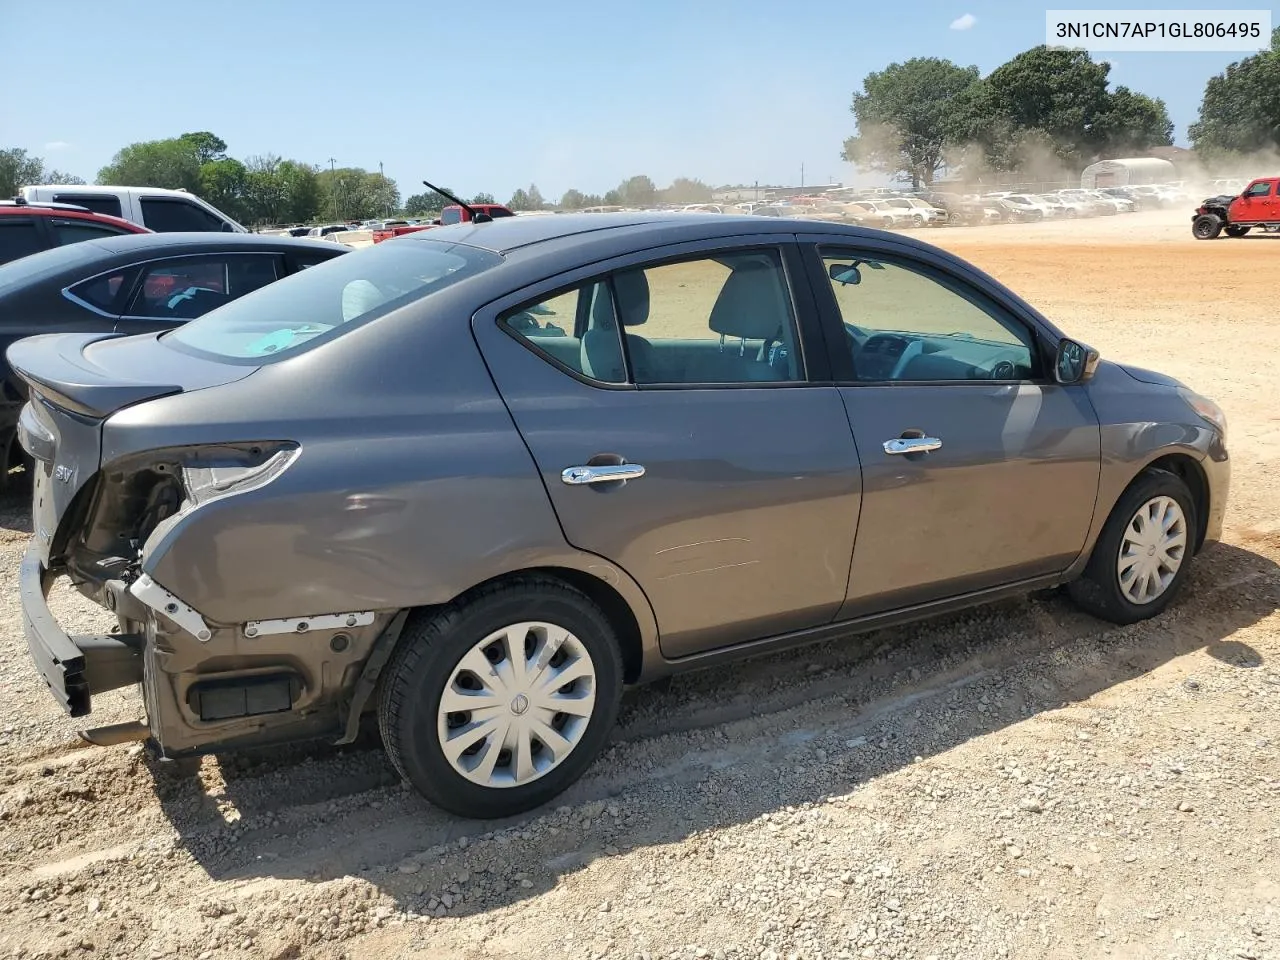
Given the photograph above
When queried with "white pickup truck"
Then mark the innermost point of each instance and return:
(164, 211)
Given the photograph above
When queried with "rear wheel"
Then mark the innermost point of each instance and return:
(1233, 230)
(1142, 555)
(494, 705)
(1207, 226)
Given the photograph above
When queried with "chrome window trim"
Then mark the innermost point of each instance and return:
(81, 302)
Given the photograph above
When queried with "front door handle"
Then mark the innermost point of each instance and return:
(900, 445)
(606, 473)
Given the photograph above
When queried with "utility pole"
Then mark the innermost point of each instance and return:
(386, 206)
(757, 191)
(333, 186)
(802, 174)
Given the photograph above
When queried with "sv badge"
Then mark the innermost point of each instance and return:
(63, 473)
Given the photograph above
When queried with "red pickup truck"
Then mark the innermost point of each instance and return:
(450, 214)
(1258, 205)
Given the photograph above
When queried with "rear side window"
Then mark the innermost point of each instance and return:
(165, 215)
(103, 292)
(97, 202)
(450, 215)
(318, 305)
(551, 327)
(73, 231)
(18, 238)
(188, 287)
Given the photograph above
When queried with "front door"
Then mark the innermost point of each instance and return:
(668, 408)
(978, 471)
(1257, 203)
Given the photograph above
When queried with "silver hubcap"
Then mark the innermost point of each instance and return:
(1153, 548)
(517, 704)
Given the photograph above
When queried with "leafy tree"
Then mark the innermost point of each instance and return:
(573, 200)
(613, 198)
(420, 204)
(638, 191)
(483, 198)
(1131, 123)
(904, 116)
(686, 190)
(18, 169)
(356, 194)
(207, 146)
(1240, 112)
(173, 164)
(224, 184)
(530, 199)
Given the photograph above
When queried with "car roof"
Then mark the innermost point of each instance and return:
(200, 241)
(66, 211)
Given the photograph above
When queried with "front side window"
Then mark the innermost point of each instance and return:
(325, 301)
(188, 287)
(165, 215)
(904, 324)
(1259, 190)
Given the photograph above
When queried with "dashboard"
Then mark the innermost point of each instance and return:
(899, 355)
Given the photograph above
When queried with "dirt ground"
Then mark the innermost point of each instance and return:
(1017, 782)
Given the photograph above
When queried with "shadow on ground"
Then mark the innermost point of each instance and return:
(706, 751)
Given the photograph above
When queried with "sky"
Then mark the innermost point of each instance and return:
(494, 95)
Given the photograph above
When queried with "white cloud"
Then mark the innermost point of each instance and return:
(56, 145)
(964, 23)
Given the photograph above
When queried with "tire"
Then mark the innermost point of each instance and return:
(919, 222)
(1235, 231)
(1207, 226)
(431, 657)
(1100, 590)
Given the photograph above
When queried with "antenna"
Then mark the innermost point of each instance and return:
(476, 215)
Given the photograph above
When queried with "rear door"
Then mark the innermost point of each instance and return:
(704, 451)
(21, 237)
(978, 470)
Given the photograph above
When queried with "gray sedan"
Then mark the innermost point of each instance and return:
(479, 478)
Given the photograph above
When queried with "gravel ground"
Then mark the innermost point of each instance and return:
(1016, 782)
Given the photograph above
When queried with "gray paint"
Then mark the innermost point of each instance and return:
(767, 512)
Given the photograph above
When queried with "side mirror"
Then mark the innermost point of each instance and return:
(1074, 362)
(227, 228)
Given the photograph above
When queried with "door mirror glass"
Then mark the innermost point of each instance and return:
(844, 273)
(1075, 362)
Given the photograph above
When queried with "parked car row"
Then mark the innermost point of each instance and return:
(477, 479)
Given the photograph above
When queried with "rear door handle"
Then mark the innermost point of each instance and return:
(576, 476)
(899, 445)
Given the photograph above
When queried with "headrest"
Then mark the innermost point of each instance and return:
(632, 289)
(751, 304)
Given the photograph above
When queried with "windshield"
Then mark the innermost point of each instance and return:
(329, 299)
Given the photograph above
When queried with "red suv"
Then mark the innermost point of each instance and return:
(27, 228)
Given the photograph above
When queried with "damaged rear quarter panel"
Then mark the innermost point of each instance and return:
(411, 484)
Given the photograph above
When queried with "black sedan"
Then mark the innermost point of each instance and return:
(133, 284)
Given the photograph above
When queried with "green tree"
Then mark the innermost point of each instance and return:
(638, 191)
(905, 116)
(421, 204)
(530, 199)
(573, 200)
(686, 190)
(1131, 123)
(208, 147)
(483, 198)
(1240, 112)
(18, 169)
(224, 184)
(173, 164)
(353, 193)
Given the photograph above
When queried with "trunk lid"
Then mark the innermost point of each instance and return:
(76, 381)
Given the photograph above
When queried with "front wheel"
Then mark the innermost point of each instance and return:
(1142, 555)
(1207, 226)
(496, 704)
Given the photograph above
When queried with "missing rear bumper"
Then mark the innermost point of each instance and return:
(74, 668)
